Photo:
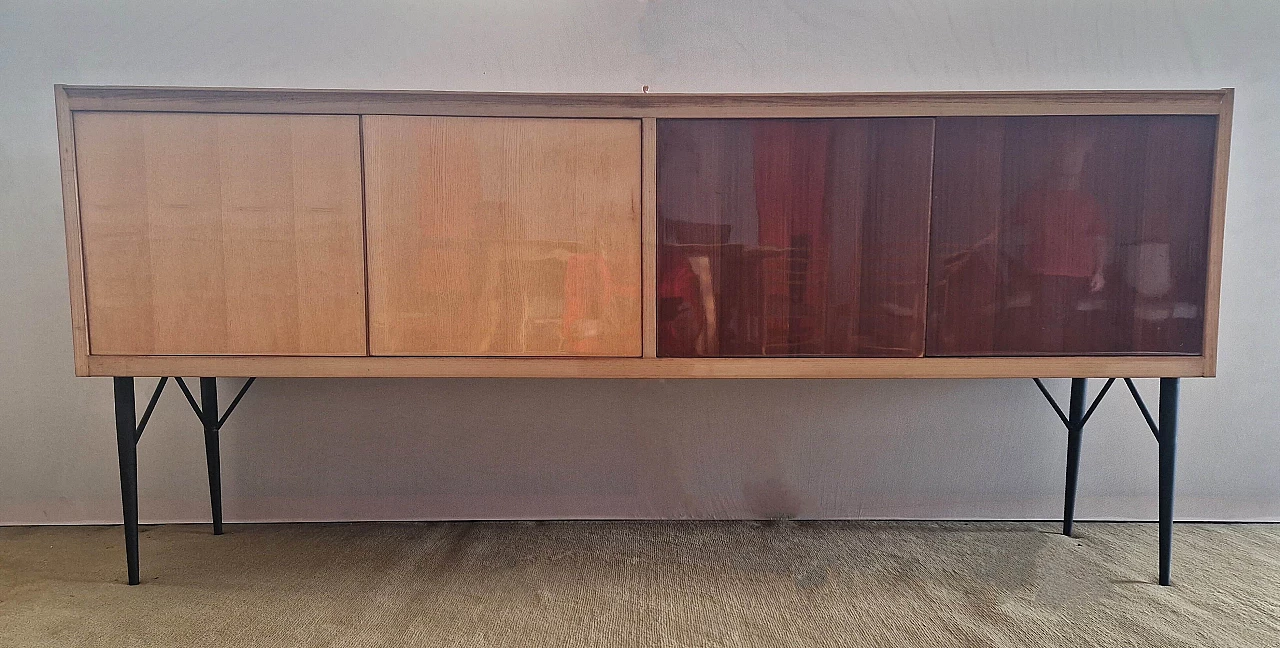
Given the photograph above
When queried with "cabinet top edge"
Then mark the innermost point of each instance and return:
(288, 100)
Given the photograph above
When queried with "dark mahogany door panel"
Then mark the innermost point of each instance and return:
(1070, 235)
(782, 237)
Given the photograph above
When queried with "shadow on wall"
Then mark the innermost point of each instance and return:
(510, 448)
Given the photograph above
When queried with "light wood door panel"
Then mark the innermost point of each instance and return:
(222, 234)
(503, 236)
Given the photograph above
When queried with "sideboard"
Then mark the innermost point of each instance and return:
(223, 232)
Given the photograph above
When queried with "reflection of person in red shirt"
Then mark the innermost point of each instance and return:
(1065, 244)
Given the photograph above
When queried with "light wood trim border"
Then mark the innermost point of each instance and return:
(1217, 226)
(473, 367)
(505, 104)
(71, 221)
(649, 237)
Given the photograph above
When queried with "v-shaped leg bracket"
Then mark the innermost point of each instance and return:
(151, 407)
(218, 420)
(1088, 413)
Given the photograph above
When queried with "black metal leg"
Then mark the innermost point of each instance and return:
(209, 414)
(127, 447)
(1075, 431)
(1168, 426)
(1165, 431)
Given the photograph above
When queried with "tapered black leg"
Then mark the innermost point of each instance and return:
(1168, 427)
(127, 447)
(209, 412)
(1075, 431)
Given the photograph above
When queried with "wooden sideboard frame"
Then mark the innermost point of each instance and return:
(648, 108)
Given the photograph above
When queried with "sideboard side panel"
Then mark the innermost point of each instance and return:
(71, 225)
(1213, 284)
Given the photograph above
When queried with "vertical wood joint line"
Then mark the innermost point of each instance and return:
(649, 237)
(364, 235)
(928, 236)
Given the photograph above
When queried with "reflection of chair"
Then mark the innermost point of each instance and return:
(534, 263)
(687, 296)
(589, 291)
(530, 294)
(692, 259)
(794, 289)
(681, 232)
(565, 297)
(732, 299)
(964, 266)
(1149, 273)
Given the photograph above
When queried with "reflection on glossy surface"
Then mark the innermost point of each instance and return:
(792, 237)
(221, 234)
(494, 236)
(1070, 235)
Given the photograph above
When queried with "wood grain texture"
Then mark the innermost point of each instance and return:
(221, 234)
(793, 237)
(1070, 235)
(71, 222)
(784, 105)
(1217, 224)
(503, 237)
(418, 367)
(649, 225)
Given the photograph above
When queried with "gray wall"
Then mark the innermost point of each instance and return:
(421, 449)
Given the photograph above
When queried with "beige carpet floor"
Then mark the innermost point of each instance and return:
(641, 584)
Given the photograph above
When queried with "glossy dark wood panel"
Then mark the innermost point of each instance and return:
(1070, 235)
(793, 237)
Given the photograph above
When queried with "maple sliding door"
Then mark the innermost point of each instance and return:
(213, 234)
(503, 236)
(793, 237)
(1070, 235)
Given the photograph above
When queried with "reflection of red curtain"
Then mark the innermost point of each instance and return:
(790, 183)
